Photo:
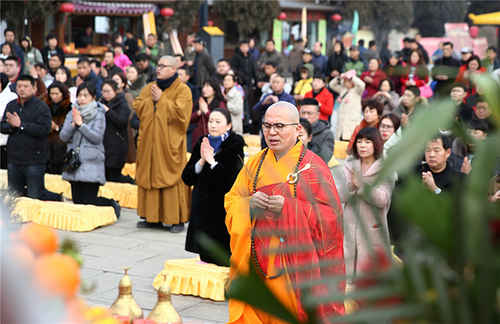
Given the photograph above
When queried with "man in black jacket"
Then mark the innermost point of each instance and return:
(27, 121)
(203, 66)
(243, 65)
(445, 70)
(322, 141)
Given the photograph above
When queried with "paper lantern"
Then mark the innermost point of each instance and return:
(473, 31)
(67, 7)
(167, 12)
(282, 16)
(336, 17)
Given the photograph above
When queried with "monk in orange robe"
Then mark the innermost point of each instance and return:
(288, 191)
(164, 109)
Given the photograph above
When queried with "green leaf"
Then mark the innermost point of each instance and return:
(423, 127)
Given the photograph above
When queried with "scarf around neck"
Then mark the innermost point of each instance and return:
(166, 83)
(89, 111)
(216, 141)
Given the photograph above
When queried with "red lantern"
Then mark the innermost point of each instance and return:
(67, 7)
(473, 31)
(336, 17)
(210, 23)
(282, 16)
(167, 12)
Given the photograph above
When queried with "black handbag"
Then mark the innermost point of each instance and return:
(72, 159)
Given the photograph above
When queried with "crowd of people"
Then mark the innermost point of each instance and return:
(150, 106)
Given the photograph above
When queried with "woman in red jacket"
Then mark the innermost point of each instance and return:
(415, 73)
(472, 67)
(372, 77)
(323, 96)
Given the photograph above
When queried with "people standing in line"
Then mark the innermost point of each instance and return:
(350, 89)
(115, 139)
(322, 141)
(211, 171)
(83, 131)
(234, 103)
(366, 234)
(59, 103)
(52, 49)
(164, 109)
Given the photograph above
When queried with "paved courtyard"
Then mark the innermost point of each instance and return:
(106, 251)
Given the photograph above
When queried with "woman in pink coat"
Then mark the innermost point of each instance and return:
(361, 171)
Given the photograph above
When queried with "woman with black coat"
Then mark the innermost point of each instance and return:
(212, 170)
(59, 102)
(336, 61)
(116, 136)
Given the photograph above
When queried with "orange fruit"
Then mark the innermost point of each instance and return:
(21, 254)
(41, 239)
(57, 274)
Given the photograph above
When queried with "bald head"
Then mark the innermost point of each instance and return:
(284, 109)
(169, 60)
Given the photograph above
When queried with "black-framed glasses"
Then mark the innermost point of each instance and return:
(277, 126)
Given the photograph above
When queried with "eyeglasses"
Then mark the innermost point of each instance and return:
(162, 66)
(279, 127)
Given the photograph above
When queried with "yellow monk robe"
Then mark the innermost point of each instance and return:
(161, 154)
(319, 205)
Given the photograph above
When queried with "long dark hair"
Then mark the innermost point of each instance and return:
(69, 80)
(218, 98)
(62, 87)
(371, 134)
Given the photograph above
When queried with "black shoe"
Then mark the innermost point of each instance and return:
(116, 207)
(144, 224)
(177, 228)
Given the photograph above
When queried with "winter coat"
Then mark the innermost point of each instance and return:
(322, 141)
(320, 63)
(336, 62)
(358, 66)
(294, 59)
(372, 88)
(204, 68)
(116, 136)
(29, 145)
(47, 53)
(349, 113)
(420, 76)
(234, 104)
(209, 187)
(325, 100)
(445, 66)
(89, 139)
(57, 148)
(244, 67)
(372, 215)
(273, 56)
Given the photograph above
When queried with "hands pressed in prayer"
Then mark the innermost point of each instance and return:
(207, 152)
(77, 117)
(273, 203)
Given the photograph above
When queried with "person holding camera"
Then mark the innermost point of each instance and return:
(83, 131)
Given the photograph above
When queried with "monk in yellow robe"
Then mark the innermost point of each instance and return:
(288, 191)
(164, 110)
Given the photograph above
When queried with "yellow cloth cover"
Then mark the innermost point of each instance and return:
(129, 170)
(63, 215)
(194, 277)
(340, 150)
(124, 193)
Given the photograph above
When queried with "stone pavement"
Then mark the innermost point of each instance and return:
(108, 250)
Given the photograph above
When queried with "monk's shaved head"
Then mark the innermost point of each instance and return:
(285, 109)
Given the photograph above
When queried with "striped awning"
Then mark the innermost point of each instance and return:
(83, 7)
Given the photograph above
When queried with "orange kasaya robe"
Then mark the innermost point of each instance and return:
(311, 219)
